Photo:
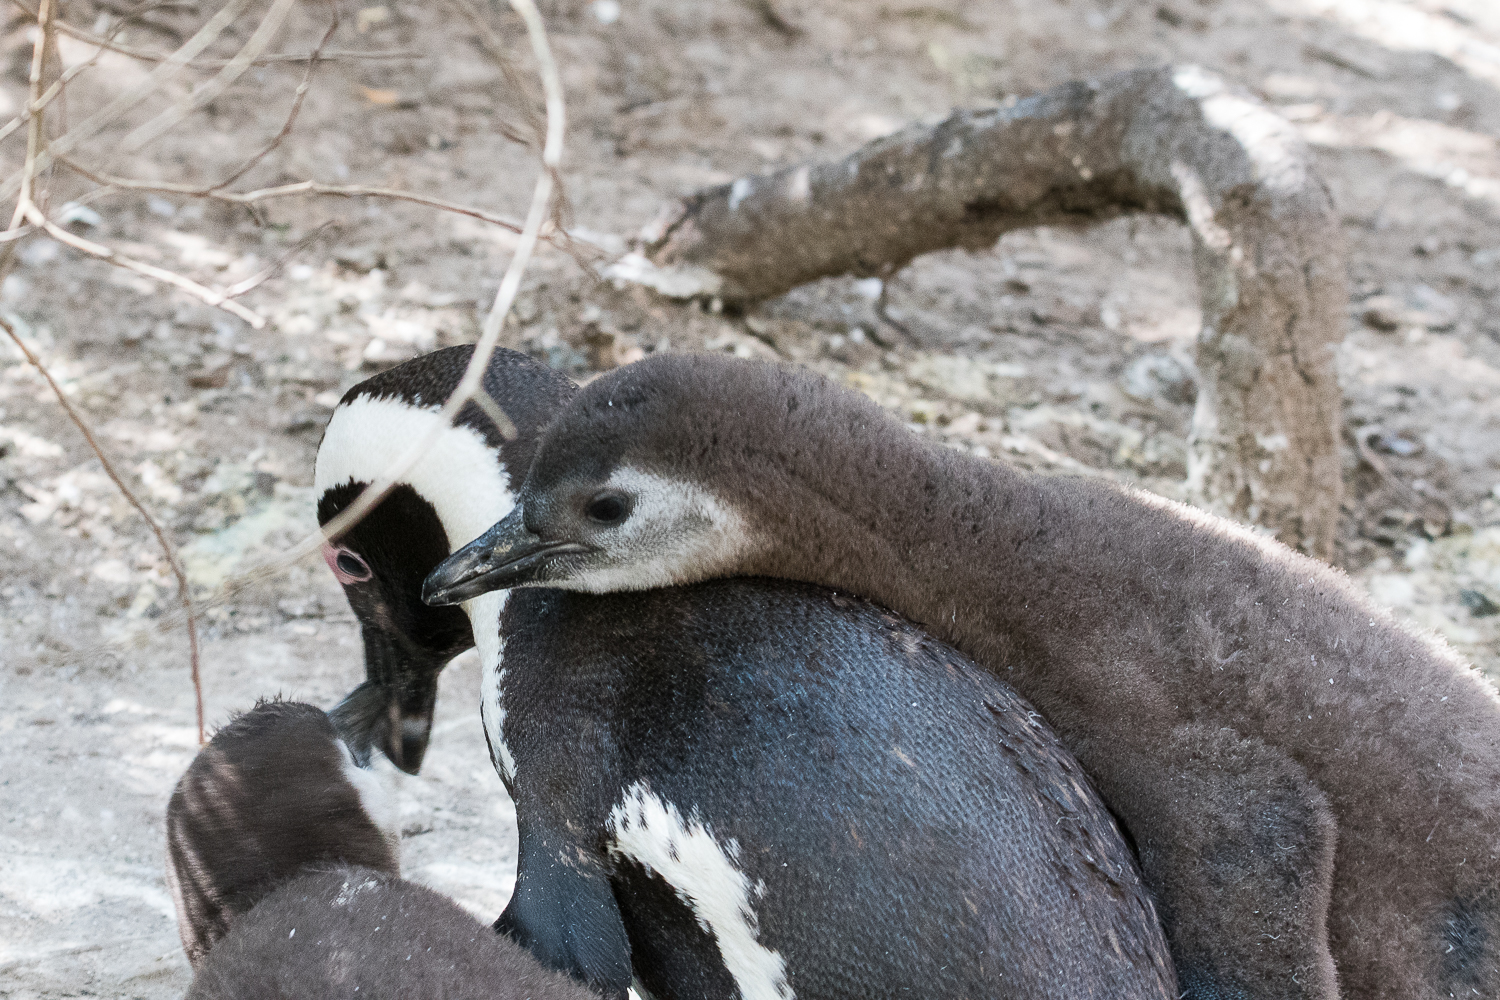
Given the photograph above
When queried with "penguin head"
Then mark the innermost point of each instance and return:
(460, 486)
(276, 791)
(637, 484)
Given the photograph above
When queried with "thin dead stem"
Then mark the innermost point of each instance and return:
(148, 55)
(259, 40)
(112, 256)
(296, 109)
(28, 211)
(111, 183)
(505, 296)
(35, 131)
(495, 46)
(184, 592)
(112, 112)
(48, 96)
(239, 288)
(470, 387)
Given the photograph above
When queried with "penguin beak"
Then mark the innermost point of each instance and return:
(373, 715)
(506, 556)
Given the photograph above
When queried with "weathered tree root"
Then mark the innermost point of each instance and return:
(1177, 141)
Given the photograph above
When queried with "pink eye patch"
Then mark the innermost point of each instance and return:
(347, 565)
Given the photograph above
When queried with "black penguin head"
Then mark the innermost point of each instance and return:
(460, 486)
(632, 487)
(275, 792)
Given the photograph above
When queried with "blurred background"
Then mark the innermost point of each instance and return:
(1065, 350)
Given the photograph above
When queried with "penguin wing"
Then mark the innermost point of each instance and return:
(564, 912)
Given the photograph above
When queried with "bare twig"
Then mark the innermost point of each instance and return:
(296, 109)
(112, 256)
(147, 55)
(35, 135)
(495, 46)
(184, 592)
(239, 288)
(116, 109)
(505, 296)
(470, 386)
(201, 96)
(283, 191)
(51, 93)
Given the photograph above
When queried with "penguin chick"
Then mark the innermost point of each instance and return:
(749, 788)
(1244, 710)
(287, 886)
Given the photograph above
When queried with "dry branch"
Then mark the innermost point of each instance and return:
(202, 95)
(149, 55)
(470, 387)
(184, 592)
(110, 183)
(116, 109)
(1268, 251)
(112, 256)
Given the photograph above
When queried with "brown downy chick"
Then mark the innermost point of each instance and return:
(1314, 789)
(287, 884)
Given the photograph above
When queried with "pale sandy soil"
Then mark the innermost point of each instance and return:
(1061, 350)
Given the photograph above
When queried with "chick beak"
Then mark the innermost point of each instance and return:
(508, 555)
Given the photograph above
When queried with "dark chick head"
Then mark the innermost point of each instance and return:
(274, 793)
(462, 484)
(651, 477)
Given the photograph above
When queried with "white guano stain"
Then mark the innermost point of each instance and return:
(651, 832)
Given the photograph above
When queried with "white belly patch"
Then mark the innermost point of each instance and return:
(650, 831)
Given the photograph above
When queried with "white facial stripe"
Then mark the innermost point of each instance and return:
(484, 616)
(651, 832)
(464, 480)
(379, 805)
(676, 533)
(460, 475)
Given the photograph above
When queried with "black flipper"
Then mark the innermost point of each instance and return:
(563, 911)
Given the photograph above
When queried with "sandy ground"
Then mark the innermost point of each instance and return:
(1060, 350)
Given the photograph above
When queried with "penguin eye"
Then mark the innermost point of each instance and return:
(608, 508)
(347, 565)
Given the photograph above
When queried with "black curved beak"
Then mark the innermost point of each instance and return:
(374, 716)
(508, 555)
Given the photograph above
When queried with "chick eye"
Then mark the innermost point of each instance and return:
(347, 565)
(607, 508)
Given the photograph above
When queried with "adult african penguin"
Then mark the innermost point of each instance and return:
(459, 488)
(288, 886)
(751, 788)
(1314, 789)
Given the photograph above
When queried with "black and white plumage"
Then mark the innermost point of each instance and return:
(287, 886)
(751, 788)
(1313, 787)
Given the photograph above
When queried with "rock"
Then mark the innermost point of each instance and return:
(1382, 312)
(1393, 444)
(1478, 604)
(1159, 378)
(1422, 306)
(213, 373)
(361, 259)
